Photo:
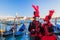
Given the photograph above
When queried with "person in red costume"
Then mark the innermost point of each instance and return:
(35, 27)
(48, 28)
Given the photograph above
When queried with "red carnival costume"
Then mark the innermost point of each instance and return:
(35, 28)
(48, 28)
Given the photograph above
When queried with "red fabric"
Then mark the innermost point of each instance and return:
(46, 18)
(53, 37)
(36, 24)
(36, 8)
(47, 37)
(37, 29)
(49, 24)
(45, 28)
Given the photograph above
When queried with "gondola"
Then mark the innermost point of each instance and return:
(21, 31)
(10, 32)
(7, 33)
(57, 29)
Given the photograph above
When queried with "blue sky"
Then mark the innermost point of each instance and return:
(24, 7)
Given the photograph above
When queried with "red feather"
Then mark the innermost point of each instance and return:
(36, 8)
(51, 13)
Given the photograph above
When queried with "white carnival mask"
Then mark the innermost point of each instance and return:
(45, 22)
(37, 18)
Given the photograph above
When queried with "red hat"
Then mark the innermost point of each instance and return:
(36, 12)
(48, 17)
